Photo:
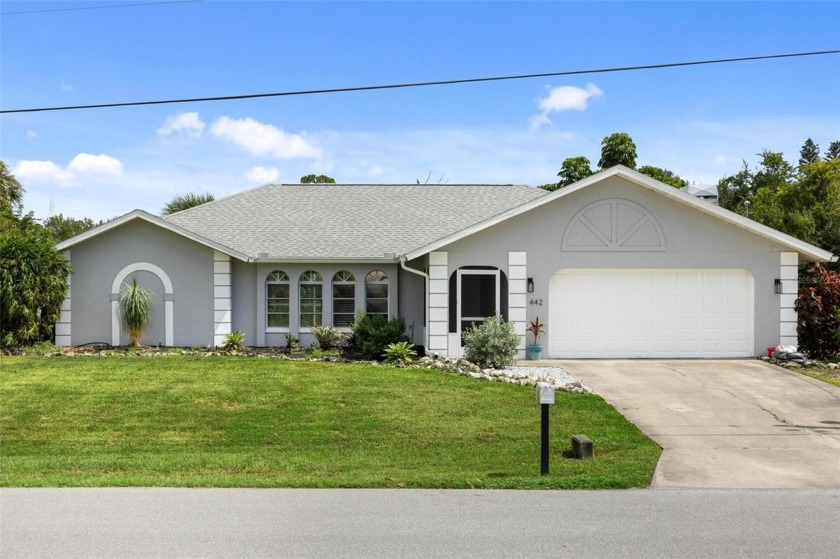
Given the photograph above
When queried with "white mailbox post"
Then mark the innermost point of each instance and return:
(545, 397)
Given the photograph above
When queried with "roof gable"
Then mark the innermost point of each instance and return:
(809, 251)
(140, 215)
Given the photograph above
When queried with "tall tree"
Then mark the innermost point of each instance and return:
(11, 191)
(663, 175)
(809, 153)
(33, 282)
(573, 170)
(316, 179)
(833, 151)
(618, 149)
(65, 227)
(183, 202)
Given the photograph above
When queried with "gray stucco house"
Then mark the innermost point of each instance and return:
(616, 265)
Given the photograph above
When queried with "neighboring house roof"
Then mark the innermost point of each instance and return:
(810, 251)
(346, 221)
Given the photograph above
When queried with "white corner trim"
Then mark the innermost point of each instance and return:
(168, 303)
(789, 276)
(64, 326)
(222, 300)
(517, 285)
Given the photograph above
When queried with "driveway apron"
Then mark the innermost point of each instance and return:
(726, 423)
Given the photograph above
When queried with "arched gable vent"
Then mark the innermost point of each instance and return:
(613, 225)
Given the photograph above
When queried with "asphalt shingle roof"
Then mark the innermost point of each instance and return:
(301, 221)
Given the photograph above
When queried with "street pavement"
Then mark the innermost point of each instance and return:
(725, 423)
(138, 522)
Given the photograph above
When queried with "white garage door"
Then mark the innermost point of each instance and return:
(651, 313)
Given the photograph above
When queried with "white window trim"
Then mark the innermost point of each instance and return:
(352, 282)
(287, 281)
(387, 283)
(468, 272)
(302, 282)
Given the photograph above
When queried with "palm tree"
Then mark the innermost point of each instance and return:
(135, 310)
(11, 191)
(183, 202)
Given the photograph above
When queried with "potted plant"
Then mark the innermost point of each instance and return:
(537, 328)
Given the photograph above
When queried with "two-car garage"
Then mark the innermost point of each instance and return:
(670, 313)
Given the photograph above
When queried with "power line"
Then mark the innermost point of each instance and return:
(419, 84)
(108, 7)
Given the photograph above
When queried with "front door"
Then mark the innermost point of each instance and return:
(478, 297)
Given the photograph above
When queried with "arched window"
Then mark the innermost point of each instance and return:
(344, 298)
(277, 299)
(376, 293)
(311, 299)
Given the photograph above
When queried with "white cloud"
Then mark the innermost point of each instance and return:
(42, 171)
(66, 86)
(263, 175)
(31, 134)
(563, 98)
(189, 124)
(104, 165)
(264, 139)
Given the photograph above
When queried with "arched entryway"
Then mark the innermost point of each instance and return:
(168, 298)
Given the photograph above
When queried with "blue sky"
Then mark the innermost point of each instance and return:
(700, 122)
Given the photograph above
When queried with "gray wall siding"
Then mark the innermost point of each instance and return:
(243, 280)
(189, 266)
(692, 240)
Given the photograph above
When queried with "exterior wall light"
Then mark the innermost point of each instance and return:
(777, 284)
(530, 285)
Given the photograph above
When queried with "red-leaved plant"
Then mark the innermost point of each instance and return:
(818, 306)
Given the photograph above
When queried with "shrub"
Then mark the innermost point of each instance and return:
(400, 354)
(327, 336)
(373, 334)
(818, 307)
(235, 341)
(493, 343)
(291, 341)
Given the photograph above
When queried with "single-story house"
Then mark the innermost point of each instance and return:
(616, 265)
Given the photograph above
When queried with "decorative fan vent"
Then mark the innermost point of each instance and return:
(613, 225)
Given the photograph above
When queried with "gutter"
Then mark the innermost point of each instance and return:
(426, 310)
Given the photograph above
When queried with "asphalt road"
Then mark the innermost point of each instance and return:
(418, 523)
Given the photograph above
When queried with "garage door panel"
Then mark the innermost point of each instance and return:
(651, 313)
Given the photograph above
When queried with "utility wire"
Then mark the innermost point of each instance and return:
(108, 7)
(419, 84)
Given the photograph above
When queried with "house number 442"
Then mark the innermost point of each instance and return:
(535, 302)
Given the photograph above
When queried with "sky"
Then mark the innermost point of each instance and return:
(701, 122)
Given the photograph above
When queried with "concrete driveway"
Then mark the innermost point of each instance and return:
(727, 423)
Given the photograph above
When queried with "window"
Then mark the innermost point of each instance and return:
(311, 299)
(277, 299)
(376, 293)
(344, 299)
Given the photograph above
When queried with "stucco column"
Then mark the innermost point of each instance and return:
(517, 296)
(221, 297)
(789, 274)
(63, 328)
(438, 303)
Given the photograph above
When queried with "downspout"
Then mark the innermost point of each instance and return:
(426, 297)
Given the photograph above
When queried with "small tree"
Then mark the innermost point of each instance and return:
(135, 310)
(618, 149)
(316, 179)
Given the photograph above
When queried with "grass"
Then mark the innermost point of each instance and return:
(820, 371)
(191, 421)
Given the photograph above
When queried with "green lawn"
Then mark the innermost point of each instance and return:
(820, 371)
(255, 422)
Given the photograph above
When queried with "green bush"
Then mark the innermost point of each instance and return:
(400, 354)
(327, 336)
(291, 341)
(235, 341)
(818, 310)
(373, 334)
(493, 343)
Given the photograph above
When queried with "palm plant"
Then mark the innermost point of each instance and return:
(135, 310)
(183, 202)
